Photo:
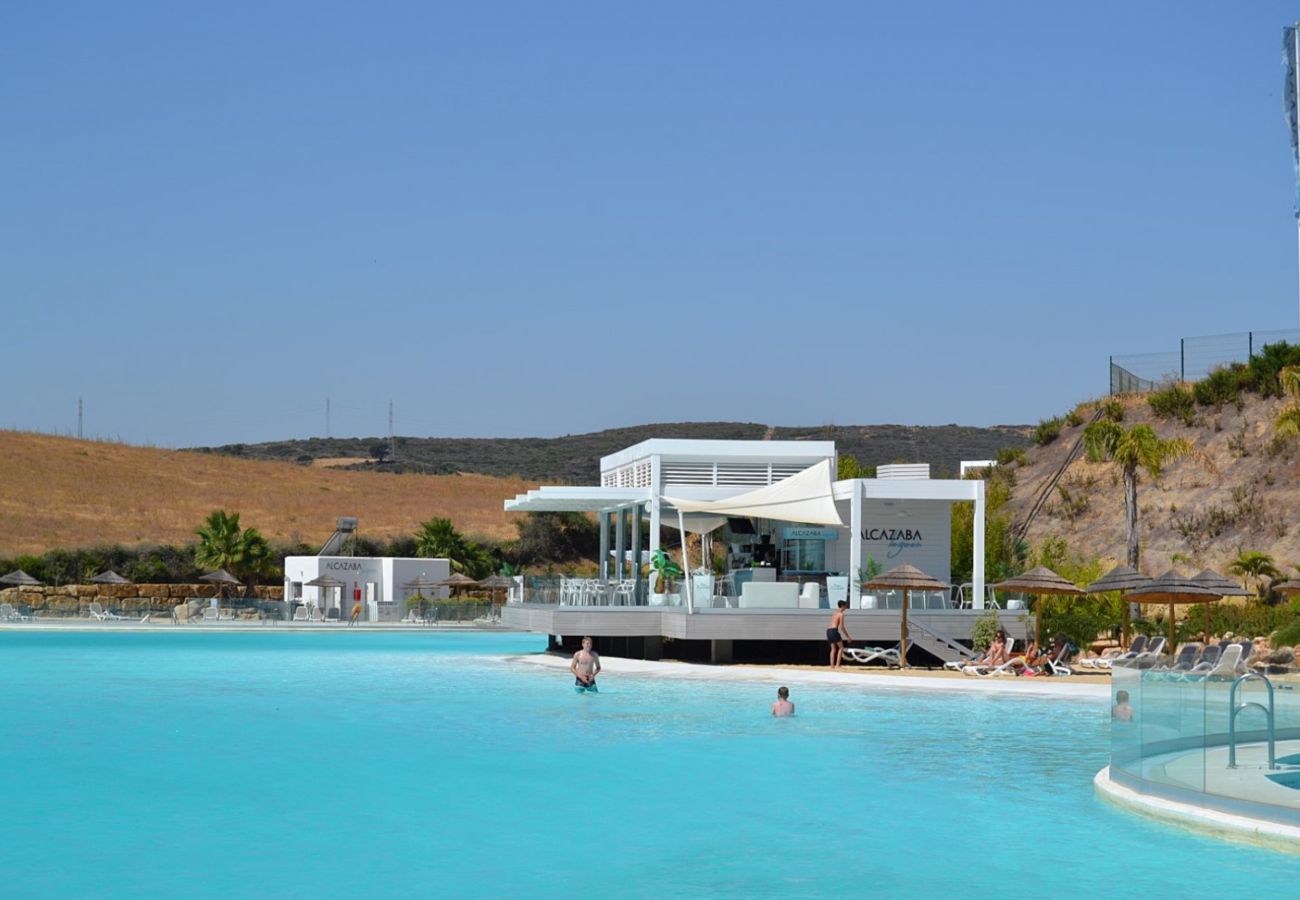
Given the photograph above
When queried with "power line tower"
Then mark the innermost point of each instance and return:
(392, 439)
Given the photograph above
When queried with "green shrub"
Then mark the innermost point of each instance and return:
(1223, 385)
(1113, 409)
(1047, 431)
(1174, 402)
(1011, 456)
(1267, 363)
(984, 629)
(1074, 418)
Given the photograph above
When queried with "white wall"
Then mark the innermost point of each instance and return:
(930, 546)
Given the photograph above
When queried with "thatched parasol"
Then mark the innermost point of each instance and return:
(1121, 579)
(1173, 588)
(456, 581)
(905, 578)
(19, 578)
(496, 583)
(1288, 587)
(1039, 581)
(220, 578)
(326, 583)
(109, 577)
(421, 583)
(1221, 585)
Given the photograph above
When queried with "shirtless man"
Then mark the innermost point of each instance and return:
(837, 634)
(585, 667)
(783, 706)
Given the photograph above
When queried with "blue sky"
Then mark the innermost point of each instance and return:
(540, 219)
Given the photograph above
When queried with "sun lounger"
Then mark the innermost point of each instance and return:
(1138, 646)
(9, 614)
(98, 612)
(866, 655)
(1150, 658)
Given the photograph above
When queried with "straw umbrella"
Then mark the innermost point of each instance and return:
(1121, 579)
(325, 583)
(109, 577)
(1173, 588)
(1221, 585)
(18, 579)
(220, 578)
(905, 578)
(1039, 581)
(1286, 588)
(496, 583)
(457, 581)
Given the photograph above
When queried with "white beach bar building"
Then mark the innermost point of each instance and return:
(376, 581)
(795, 542)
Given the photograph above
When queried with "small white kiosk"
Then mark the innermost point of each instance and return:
(374, 581)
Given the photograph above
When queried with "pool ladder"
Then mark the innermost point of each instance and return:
(1238, 707)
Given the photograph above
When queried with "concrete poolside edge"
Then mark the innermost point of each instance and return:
(1213, 822)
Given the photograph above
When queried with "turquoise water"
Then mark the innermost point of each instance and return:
(368, 765)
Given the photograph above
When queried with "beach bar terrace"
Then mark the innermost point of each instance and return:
(794, 542)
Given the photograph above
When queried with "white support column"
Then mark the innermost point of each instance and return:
(855, 545)
(686, 565)
(604, 543)
(620, 541)
(636, 547)
(977, 549)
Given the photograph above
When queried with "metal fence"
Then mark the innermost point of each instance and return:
(1195, 358)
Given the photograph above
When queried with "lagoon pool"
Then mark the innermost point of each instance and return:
(381, 764)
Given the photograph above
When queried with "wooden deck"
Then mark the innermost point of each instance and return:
(866, 626)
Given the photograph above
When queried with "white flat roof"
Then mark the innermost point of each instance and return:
(721, 451)
(563, 498)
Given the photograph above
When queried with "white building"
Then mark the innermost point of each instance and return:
(376, 581)
(795, 540)
(901, 516)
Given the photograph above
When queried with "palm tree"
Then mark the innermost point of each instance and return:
(1287, 423)
(220, 542)
(1254, 566)
(243, 552)
(1133, 449)
(439, 538)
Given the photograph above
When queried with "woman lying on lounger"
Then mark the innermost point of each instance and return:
(994, 656)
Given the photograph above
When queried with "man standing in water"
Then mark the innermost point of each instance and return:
(837, 634)
(585, 667)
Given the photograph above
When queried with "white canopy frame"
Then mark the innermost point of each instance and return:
(807, 497)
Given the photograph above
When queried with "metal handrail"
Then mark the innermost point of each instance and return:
(1235, 709)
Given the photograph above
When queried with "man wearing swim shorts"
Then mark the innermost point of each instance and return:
(837, 634)
(585, 667)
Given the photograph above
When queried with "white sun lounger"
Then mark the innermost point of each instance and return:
(865, 655)
(9, 614)
(100, 614)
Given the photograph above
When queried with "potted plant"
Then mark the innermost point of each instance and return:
(667, 570)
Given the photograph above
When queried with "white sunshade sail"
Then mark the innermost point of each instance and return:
(806, 497)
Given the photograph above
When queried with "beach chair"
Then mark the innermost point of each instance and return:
(210, 614)
(1149, 658)
(1187, 657)
(100, 614)
(9, 614)
(866, 655)
(225, 614)
(1139, 645)
(300, 613)
(1208, 659)
(1057, 665)
(1229, 664)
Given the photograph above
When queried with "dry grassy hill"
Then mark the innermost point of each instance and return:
(1240, 491)
(63, 492)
